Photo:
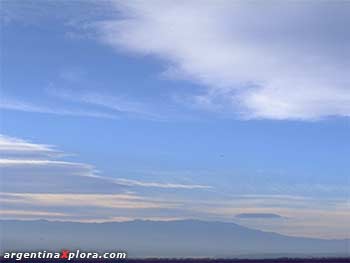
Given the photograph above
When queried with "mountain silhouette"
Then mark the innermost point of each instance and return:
(179, 238)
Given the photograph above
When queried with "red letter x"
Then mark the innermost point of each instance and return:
(64, 253)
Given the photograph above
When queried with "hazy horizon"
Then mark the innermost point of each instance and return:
(169, 239)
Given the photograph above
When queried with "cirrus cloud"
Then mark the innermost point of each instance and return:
(30, 167)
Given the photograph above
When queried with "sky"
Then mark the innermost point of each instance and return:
(229, 111)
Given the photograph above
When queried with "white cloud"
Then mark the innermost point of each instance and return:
(18, 162)
(129, 182)
(27, 166)
(10, 146)
(274, 60)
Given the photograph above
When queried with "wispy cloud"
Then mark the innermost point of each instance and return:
(18, 105)
(129, 201)
(258, 216)
(31, 213)
(107, 106)
(275, 61)
(28, 166)
(24, 162)
(128, 182)
(10, 146)
(121, 106)
(40, 185)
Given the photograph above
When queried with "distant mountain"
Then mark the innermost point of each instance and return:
(183, 238)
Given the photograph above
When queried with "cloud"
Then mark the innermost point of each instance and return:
(118, 104)
(16, 162)
(35, 214)
(10, 146)
(36, 183)
(80, 207)
(258, 216)
(30, 167)
(17, 105)
(277, 60)
(129, 201)
(128, 182)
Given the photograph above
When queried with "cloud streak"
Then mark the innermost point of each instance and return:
(10, 146)
(129, 182)
(120, 105)
(276, 61)
(17, 105)
(28, 166)
(18, 162)
(128, 201)
(258, 216)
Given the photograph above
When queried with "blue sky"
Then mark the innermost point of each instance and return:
(166, 110)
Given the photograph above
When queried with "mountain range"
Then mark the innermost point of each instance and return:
(178, 238)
